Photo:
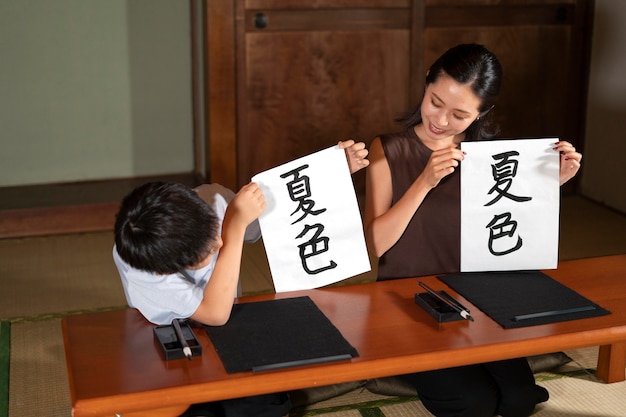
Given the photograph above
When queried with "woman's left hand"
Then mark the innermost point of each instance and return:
(569, 161)
(356, 154)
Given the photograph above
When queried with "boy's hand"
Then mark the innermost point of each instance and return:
(248, 204)
(356, 153)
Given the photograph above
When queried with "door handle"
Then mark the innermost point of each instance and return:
(260, 21)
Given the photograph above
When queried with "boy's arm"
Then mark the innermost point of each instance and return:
(217, 195)
(219, 292)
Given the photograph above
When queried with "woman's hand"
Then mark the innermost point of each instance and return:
(356, 153)
(442, 163)
(569, 161)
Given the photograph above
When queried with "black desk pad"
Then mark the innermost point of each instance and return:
(277, 334)
(522, 298)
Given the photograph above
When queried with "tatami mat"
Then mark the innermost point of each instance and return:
(583, 395)
(38, 384)
(43, 275)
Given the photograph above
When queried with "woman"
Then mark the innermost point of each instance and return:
(412, 218)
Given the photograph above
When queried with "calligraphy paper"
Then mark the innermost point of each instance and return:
(312, 228)
(509, 205)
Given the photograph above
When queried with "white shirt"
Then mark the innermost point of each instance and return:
(162, 298)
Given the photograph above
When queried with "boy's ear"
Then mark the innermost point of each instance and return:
(216, 245)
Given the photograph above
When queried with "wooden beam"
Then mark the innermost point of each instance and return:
(221, 149)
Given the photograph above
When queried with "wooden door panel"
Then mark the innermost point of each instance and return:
(303, 90)
(286, 77)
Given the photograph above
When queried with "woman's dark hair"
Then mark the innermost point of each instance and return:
(164, 227)
(476, 66)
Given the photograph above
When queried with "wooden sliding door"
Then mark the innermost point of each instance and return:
(288, 77)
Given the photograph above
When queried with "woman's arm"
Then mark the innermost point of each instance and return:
(384, 223)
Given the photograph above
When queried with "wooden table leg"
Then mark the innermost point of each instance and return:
(612, 362)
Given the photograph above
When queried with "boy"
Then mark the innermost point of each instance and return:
(167, 238)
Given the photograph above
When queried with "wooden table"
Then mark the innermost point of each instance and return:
(115, 366)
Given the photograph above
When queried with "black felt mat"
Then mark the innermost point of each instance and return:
(515, 298)
(276, 334)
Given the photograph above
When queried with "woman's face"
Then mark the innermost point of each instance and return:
(448, 108)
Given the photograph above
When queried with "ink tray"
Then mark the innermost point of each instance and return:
(437, 309)
(165, 336)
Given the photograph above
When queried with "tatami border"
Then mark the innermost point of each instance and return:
(5, 364)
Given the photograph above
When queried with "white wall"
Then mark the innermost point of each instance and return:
(604, 170)
(93, 89)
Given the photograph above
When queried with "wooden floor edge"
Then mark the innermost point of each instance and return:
(57, 220)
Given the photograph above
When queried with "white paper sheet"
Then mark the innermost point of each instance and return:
(311, 227)
(509, 205)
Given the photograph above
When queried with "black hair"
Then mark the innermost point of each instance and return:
(476, 66)
(164, 227)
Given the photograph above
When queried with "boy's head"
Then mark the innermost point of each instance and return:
(164, 227)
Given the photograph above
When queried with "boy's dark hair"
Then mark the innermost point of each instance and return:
(164, 227)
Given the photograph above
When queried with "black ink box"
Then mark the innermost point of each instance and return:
(166, 337)
(436, 308)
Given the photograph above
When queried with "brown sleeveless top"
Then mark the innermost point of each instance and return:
(431, 244)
